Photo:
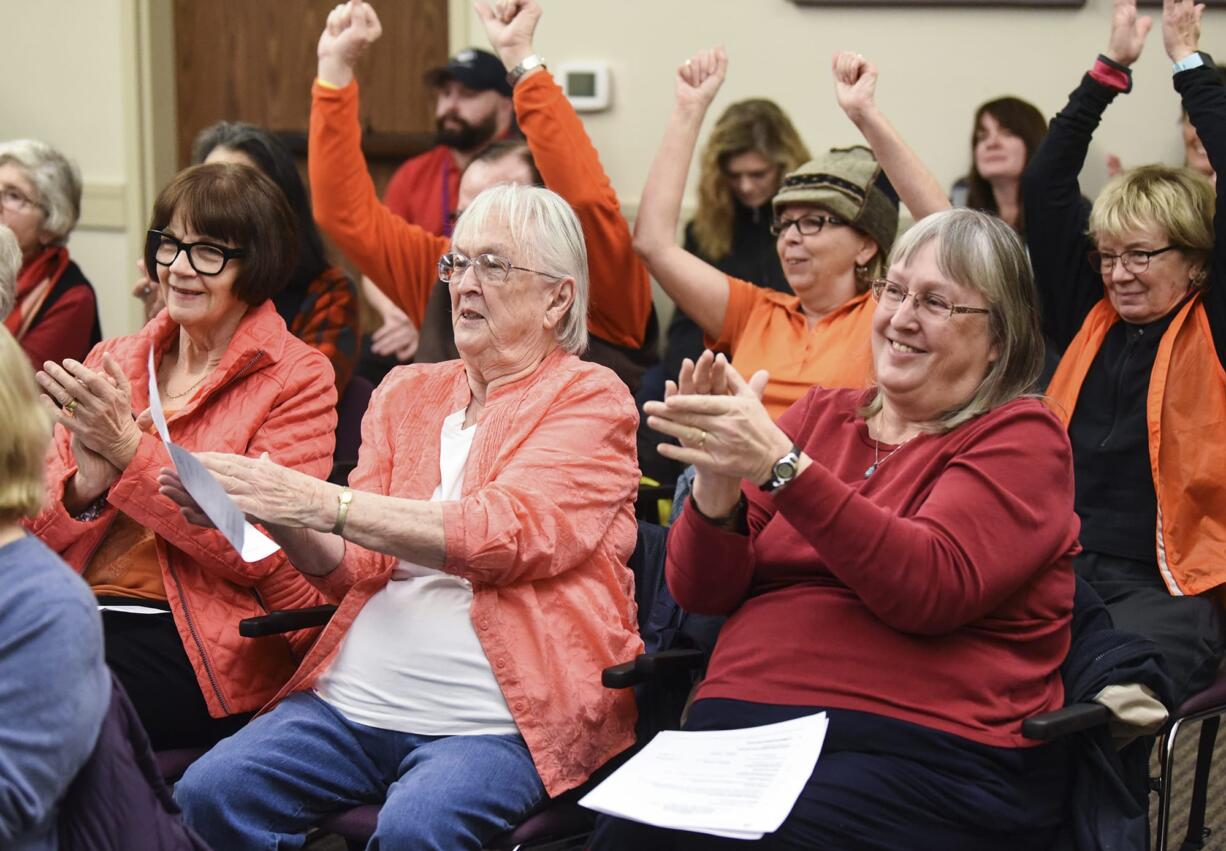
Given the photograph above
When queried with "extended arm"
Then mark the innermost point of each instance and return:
(855, 84)
(401, 257)
(1056, 215)
(1204, 98)
(570, 165)
(697, 287)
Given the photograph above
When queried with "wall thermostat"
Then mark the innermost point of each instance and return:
(586, 85)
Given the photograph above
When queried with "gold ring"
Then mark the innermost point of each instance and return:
(71, 407)
(702, 441)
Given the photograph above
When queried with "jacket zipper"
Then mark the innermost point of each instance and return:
(1130, 345)
(187, 615)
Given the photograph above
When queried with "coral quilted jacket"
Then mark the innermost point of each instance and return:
(270, 393)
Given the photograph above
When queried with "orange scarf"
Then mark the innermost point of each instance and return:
(34, 283)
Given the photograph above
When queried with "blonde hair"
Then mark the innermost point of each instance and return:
(546, 228)
(25, 431)
(1178, 201)
(981, 252)
(10, 265)
(756, 125)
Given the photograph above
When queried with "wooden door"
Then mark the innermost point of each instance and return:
(254, 60)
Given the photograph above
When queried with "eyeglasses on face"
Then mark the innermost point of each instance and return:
(489, 268)
(805, 225)
(891, 296)
(15, 201)
(207, 258)
(1135, 260)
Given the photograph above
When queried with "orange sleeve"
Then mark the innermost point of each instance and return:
(742, 296)
(620, 288)
(401, 258)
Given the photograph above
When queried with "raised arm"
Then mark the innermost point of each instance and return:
(400, 256)
(1056, 214)
(1204, 99)
(620, 302)
(696, 286)
(855, 87)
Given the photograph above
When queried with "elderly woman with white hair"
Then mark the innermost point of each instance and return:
(55, 314)
(479, 558)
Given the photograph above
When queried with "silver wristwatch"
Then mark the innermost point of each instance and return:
(529, 63)
(783, 471)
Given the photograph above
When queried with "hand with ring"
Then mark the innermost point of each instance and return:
(96, 407)
(725, 431)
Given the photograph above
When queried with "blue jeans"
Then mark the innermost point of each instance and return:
(265, 785)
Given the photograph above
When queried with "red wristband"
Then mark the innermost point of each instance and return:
(1112, 74)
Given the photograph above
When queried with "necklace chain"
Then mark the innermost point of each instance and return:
(878, 460)
(197, 383)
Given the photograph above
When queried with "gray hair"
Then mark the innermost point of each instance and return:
(981, 252)
(54, 177)
(10, 265)
(546, 229)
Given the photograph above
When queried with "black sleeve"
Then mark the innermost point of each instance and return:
(1057, 215)
(1204, 97)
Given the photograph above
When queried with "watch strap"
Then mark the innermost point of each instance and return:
(529, 63)
(1195, 60)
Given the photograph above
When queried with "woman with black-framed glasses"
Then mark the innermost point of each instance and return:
(231, 377)
(1143, 329)
(835, 218)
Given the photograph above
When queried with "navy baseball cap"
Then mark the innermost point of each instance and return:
(480, 70)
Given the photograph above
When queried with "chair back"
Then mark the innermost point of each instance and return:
(349, 413)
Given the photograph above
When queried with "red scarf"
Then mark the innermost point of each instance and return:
(34, 284)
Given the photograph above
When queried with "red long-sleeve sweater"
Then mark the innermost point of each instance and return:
(937, 591)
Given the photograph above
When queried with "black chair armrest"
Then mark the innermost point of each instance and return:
(275, 623)
(662, 663)
(1062, 722)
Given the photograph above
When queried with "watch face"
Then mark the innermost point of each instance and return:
(784, 469)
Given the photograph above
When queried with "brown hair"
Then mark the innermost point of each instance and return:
(756, 125)
(1022, 119)
(239, 205)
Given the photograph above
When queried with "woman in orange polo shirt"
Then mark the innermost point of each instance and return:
(835, 220)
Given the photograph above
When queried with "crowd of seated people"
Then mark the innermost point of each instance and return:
(878, 473)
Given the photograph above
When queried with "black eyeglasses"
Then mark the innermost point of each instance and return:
(891, 296)
(1135, 260)
(207, 258)
(489, 268)
(805, 225)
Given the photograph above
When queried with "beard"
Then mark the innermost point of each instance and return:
(455, 132)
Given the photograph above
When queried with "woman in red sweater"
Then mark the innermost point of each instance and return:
(899, 558)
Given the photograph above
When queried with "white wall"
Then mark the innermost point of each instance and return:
(936, 65)
(72, 73)
(62, 80)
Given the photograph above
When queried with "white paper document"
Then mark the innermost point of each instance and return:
(250, 542)
(735, 783)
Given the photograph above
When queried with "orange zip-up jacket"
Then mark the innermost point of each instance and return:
(403, 258)
(271, 393)
(543, 531)
(1186, 414)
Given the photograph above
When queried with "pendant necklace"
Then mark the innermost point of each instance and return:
(878, 460)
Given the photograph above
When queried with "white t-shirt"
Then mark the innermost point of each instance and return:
(411, 661)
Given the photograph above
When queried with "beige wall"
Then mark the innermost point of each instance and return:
(84, 74)
(936, 65)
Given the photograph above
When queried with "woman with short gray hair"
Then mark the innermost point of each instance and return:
(55, 314)
(491, 511)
